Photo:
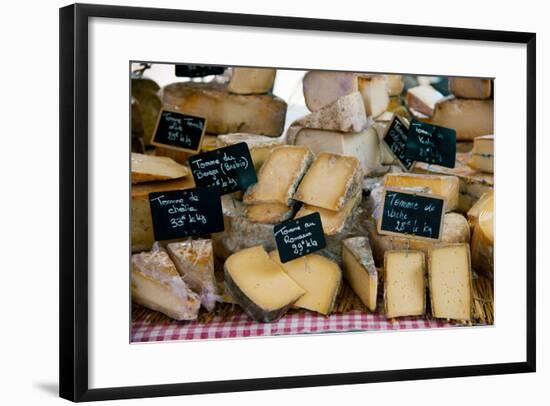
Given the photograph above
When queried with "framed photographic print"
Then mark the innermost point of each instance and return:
(255, 202)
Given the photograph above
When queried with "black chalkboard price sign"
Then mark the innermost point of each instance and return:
(396, 141)
(299, 237)
(431, 144)
(409, 214)
(230, 168)
(183, 213)
(179, 131)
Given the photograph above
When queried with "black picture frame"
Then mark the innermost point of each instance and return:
(73, 277)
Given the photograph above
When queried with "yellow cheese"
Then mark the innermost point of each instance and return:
(251, 80)
(324, 87)
(470, 88)
(423, 99)
(330, 182)
(280, 175)
(395, 84)
(181, 157)
(227, 112)
(318, 276)
(483, 154)
(268, 213)
(450, 282)
(375, 94)
(147, 168)
(260, 285)
(259, 146)
(360, 271)
(446, 186)
(404, 290)
(484, 203)
(483, 238)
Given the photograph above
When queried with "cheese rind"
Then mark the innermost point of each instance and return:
(483, 154)
(269, 213)
(450, 282)
(146, 92)
(470, 88)
(331, 181)
(395, 84)
(423, 99)
(404, 286)
(251, 80)
(260, 285)
(147, 168)
(483, 238)
(484, 203)
(375, 94)
(360, 271)
(318, 276)
(259, 146)
(324, 87)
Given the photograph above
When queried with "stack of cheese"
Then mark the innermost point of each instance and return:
(146, 106)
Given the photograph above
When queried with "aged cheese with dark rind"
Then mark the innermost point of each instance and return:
(251, 80)
(360, 271)
(470, 88)
(147, 168)
(324, 87)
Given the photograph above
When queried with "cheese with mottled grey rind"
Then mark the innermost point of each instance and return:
(251, 80)
(360, 271)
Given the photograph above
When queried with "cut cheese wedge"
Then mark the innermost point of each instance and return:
(374, 90)
(360, 271)
(260, 285)
(269, 213)
(470, 88)
(324, 87)
(259, 146)
(450, 280)
(251, 80)
(147, 168)
(483, 154)
(484, 203)
(318, 276)
(423, 99)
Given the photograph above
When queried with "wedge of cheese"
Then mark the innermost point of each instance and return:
(484, 203)
(318, 276)
(404, 288)
(331, 181)
(423, 99)
(194, 261)
(227, 112)
(324, 87)
(269, 213)
(260, 285)
(360, 271)
(450, 282)
(482, 246)
(157, 285)
(374, 90)
(346, 114)
(395, 84)
(259, 146)
(446, 186)
(181, 157)
(483, 154)
(364, 145)
(470, 88)
(147, 168)
(280, 175)
(251, 80)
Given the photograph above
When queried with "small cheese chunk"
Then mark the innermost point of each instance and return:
(331, 181)
(346, 114)
(251, 80)
(450, 282)
(483, 154)
(280, 175)
(157, 285)
(395, 84)
(359, 270)
(260, 285)
(318, 276)
(404, 290)
(375, 94)
(147, 168)
(269, 213)
(423, 99)
(259, 146)
(324, 87)
(195, 263)
(470, 88)
(483, 238)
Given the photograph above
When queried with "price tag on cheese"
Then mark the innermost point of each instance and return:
(296, 238)
(179, 131)
(395, 141)
(409, 214)
(183, 213)
(431, 144)
(229, 168)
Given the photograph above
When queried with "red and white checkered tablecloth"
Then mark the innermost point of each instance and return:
(295, 323)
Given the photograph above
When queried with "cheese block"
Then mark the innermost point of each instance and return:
(375, 94)
(318, 276)
(324, 87)
(359, 270)
(280, 175)
(470, 88)
(470, 118)
(260, 285)
(333, 221)
(446, 186)
(227, 112)
(195, 263)
(423, 99)
(483, 238)
(484, 203)
(269, 213)
(141, 222)
(404, 286)
(181, 157)
(364, 145)
(450, 282)
(395, 84)
(331, 181)
(147, 168)
(146, 93)
(259, 146)
(157, 285)
(483, 154)
(251, 80)
(347, 114)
